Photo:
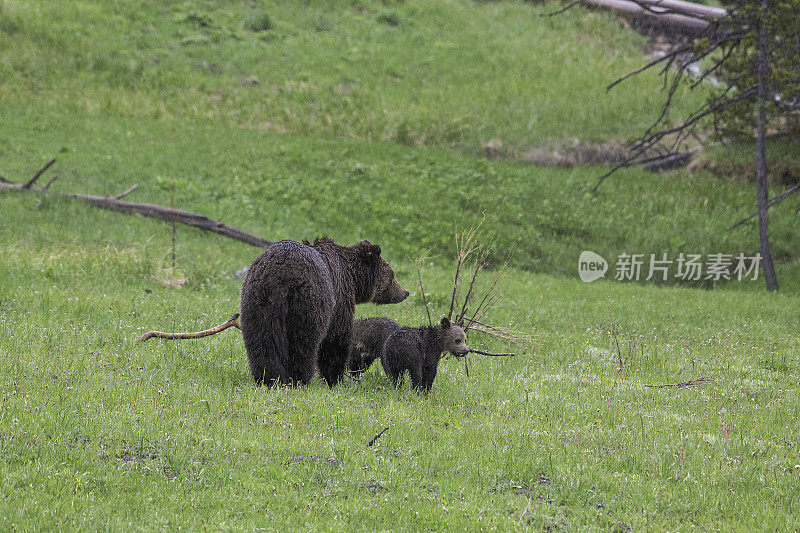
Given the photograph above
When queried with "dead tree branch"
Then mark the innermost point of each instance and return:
(126, 193)
(52, 180)
(775, 200)
(465, 246)
(480, 262)
(376, 437)
(419, 262)
(231, 322)
(697, 381)
(563, 9)
(685, 8)
(148, 210)
(481, 352)
(682, 132)
(27, 185)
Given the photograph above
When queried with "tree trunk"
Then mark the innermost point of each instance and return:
(761, 155)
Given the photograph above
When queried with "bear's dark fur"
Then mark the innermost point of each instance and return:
(369, 336)
(418, 350)
(297, 307)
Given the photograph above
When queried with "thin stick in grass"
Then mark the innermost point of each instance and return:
(231, 322)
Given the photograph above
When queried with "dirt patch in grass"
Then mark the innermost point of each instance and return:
(529, 491)
(373, 485)
(561, 154)
(331, 461)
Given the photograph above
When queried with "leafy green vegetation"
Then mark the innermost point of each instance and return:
(98, 433)
(409, 200)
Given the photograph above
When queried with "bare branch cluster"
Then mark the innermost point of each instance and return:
(725, 34)
(712, 49)
(472, 256)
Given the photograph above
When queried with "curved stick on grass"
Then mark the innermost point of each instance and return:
(231, 322)
(481, 352)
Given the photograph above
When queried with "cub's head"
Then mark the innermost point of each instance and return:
(387, 290)
(454, 340)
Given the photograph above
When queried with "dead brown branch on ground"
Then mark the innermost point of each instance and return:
(115, 203)
(376, 437)
(231, 322)
(697, 381)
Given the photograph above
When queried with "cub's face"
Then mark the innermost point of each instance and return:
(454, 338)
(387, 289)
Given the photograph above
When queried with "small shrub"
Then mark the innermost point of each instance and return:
(390, 18)
(322, 25)
(258, 21)
(203, 20)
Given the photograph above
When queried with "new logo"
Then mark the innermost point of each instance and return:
(591, 266)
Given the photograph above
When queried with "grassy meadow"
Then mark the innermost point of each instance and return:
(368, 120)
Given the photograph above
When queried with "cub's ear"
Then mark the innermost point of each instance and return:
(445, 322)
(369, 250)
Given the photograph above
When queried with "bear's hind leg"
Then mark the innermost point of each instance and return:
(333, 360)
(301, 356)
(264, 336)
(270, 374)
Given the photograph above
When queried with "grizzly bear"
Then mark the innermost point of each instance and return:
(297, 307)
(419, 350)
(369, 336)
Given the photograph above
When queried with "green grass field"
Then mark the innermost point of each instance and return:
(367, 122)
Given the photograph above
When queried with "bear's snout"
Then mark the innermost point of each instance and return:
(397, 293)
(394, 294)
(401, 291)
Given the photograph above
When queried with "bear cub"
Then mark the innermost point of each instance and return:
(418, 351)
(369, 336)
(297, 306)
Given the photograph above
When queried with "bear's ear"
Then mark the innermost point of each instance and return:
(370, 251)
(445, 322)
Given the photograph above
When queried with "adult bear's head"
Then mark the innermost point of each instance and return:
(386, 289)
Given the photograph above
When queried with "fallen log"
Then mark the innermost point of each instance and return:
(671, 161)
(115, 203)
(686, 8)
(653, 14)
